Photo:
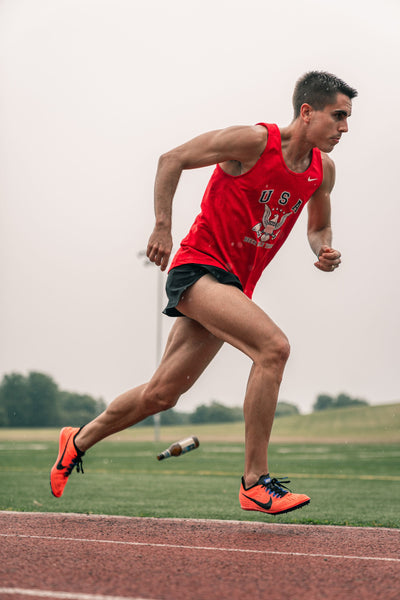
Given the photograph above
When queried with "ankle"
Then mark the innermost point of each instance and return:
(77, 443)
(251, 479)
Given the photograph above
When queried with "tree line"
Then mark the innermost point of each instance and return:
(215, 412)
(326, 402)
(36, 400)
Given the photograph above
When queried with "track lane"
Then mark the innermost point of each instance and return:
(172, 558)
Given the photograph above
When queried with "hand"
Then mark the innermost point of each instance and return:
(159, 247)
(328, 259)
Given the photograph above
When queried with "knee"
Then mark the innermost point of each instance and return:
(275, 353)
(282, 349)
(157, 398)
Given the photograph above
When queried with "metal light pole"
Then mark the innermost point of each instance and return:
(148, 263)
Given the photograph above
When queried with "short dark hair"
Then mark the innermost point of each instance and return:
(319, 88)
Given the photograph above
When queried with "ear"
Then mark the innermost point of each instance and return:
(306, 111)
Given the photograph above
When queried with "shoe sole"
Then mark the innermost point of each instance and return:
(278, 512)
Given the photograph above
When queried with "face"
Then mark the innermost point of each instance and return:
(325, 127)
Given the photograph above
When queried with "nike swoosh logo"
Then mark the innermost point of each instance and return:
(60, 466)
(312, 179)
(260, 504)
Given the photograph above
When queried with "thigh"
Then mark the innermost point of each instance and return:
(189, 350)
(230, 315)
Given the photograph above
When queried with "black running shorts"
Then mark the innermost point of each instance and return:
(183, 276)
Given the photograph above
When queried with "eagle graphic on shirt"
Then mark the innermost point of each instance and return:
(266, 229)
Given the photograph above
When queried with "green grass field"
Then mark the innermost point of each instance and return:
(351, 474)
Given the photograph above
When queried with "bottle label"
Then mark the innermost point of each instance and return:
(187, 445)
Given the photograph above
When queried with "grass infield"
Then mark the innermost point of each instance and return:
(350, 482)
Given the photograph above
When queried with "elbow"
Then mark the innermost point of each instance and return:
(171, 161)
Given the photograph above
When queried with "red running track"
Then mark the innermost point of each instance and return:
(89, 557)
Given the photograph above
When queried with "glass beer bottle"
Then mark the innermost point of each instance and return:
(179, 448)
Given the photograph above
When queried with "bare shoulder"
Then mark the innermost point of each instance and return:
(244, 145)
(328, 167)
(259, 134)
(250, 137)
(327, 162)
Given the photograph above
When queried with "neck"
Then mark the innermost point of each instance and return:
(296, 149)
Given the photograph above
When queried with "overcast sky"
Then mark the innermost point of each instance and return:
(93, 91)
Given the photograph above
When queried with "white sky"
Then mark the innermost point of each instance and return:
(93, 91)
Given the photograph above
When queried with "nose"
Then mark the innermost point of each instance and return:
(343, 126)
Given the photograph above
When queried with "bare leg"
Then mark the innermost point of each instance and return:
(227, 313)
(189, 350)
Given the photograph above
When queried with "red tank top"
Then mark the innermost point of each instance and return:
(245, 219)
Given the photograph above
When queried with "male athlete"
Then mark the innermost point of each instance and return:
(264, 177)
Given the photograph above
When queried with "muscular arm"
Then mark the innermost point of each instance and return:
(234, 147)
(319, 229)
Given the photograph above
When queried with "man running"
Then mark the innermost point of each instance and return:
(264, 177)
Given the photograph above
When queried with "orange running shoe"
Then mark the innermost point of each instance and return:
(270, 496)
(68, 457)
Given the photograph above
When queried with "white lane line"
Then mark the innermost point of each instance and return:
(63, 595)
(208, 548)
